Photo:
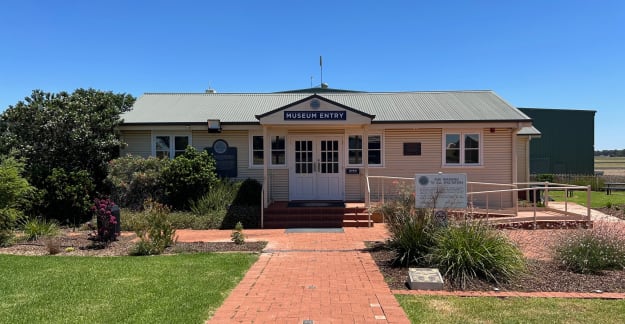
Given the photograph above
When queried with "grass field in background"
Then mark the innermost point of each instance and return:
(185, 288)
(598, 198)
(437, 309)
(604, 162)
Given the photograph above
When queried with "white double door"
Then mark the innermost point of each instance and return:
(315, 170)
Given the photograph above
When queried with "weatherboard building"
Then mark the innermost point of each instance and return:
(321, 144)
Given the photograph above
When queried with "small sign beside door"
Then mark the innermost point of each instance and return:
(352, 171)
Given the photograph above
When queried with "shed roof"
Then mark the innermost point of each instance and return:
(428, 106)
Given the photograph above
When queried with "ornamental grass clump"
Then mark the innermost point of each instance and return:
(410, 232)
(410, 228)
(593, 250)
(466, 251)
(36, 228)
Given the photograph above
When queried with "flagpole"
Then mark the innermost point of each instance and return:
(321, 68)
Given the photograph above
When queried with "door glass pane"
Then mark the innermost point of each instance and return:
(329, 157)
(303, 157)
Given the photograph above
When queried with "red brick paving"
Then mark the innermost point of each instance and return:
(326, 278)
(323, 277)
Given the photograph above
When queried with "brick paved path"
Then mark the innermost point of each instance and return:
(323, 277)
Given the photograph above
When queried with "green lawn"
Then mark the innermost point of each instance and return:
(184, 288)
(598, 198)
(436, 309)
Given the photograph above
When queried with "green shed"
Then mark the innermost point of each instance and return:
(567, 143)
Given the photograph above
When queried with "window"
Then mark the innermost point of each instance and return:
(355, 149)
(278, 150)
(374, 147)
(167, 146)
(462, 149)
(257, 150)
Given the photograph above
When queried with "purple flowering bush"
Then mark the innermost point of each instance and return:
(104, 232)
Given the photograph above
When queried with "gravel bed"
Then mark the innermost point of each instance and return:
(76, 244)
(543, 273)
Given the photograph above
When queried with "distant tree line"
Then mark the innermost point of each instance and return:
(610, 153)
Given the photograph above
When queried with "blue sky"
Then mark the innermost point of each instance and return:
(553, 54)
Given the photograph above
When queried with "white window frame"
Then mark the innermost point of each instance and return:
(172, 142)
(462, 133)
(347, 149)
(271, 165)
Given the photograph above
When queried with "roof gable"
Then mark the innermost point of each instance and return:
(315, 109)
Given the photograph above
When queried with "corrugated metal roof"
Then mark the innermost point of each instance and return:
(529, 131)
(387, 107)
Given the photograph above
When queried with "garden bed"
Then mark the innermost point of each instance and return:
(77, 244)
(543, 273)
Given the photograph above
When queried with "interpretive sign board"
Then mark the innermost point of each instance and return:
(441, 190)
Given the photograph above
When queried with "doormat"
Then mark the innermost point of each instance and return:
(316, 204)
(314, 230)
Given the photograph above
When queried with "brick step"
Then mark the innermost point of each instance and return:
(305, 217)
(357, 223)
(303, 224)
(307, 210)
(356, 216)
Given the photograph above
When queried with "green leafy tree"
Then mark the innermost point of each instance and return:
(72, 132)
(189, 177)
(13, 189)
(134, 179)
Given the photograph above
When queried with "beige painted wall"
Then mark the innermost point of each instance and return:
(496, 156)
(138, 143)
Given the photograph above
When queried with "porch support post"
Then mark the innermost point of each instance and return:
(365, 158)
(266, 157)
(515, 194)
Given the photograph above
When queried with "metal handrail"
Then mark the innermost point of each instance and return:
(531, 186)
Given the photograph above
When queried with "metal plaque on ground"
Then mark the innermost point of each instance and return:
(425, 279)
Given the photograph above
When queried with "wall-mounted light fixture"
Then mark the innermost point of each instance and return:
(214, 126)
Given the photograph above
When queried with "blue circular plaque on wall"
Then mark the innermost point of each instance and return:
(314, 104)
(220, 146)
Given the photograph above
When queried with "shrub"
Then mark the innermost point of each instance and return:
(249, 216)
(105, 230)
(69, 193)
(156, 233)
(410, 232)
(36, 228)
(545, 177)
(249, 193)
(466, 251)
(592, 250)
(53, 244)
(212, 220)
(219, 198)
(245, 207)
(188, 177)
(237, 235)
(13, 190)
(133, 179)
